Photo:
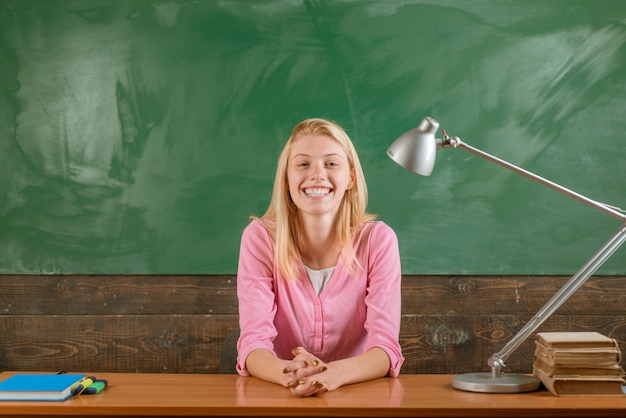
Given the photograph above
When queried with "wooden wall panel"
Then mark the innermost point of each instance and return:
(177, 324)
(115, 343)
(120, 295)
(504, 295)
(462, 344)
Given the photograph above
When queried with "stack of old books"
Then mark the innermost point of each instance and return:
(579, 364)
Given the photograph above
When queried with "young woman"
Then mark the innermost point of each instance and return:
(318, 280)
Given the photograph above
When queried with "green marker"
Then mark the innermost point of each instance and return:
(96, 387)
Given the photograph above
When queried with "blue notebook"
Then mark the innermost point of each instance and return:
(39, 387)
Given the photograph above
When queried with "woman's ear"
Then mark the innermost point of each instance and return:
(352, 179)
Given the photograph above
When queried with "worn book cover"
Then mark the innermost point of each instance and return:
(575, 339)
(581, 386)
(610, 370)
(578, 357)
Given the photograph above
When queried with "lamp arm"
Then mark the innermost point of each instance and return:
(497, 360)
(457, 143)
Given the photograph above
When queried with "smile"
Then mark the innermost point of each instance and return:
(317, 191)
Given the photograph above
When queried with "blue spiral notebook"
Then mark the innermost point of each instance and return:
(39, 387)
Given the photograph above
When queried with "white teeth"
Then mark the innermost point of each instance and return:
(317, 191)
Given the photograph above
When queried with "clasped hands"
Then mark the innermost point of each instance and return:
(306, 375)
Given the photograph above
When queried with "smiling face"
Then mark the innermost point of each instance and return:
(318, 173)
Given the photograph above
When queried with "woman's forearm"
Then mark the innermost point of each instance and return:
(265, 365)
(372, 364)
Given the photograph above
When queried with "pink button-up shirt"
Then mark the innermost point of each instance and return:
(352, 314)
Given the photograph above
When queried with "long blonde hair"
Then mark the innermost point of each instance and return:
(281, 217)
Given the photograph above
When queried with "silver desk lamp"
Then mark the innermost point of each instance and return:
(416, 151)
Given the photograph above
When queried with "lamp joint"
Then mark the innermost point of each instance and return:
(497, 365)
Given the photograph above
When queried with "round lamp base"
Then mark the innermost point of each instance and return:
(485, 382)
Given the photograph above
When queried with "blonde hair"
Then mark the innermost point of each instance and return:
(281, 217)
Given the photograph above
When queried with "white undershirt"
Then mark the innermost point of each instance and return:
(319, 278)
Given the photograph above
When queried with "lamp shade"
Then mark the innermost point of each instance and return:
(416, 149)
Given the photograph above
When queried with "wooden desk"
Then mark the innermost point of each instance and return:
(133, 395)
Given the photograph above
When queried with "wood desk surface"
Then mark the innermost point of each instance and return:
(231, 395)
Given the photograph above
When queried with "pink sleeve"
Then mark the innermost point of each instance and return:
(257, 305)
(384, 295)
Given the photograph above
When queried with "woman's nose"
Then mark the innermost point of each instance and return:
(319, 173)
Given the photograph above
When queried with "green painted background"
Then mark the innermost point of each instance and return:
(138, 136)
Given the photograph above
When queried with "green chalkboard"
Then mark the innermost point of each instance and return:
(137, 136)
